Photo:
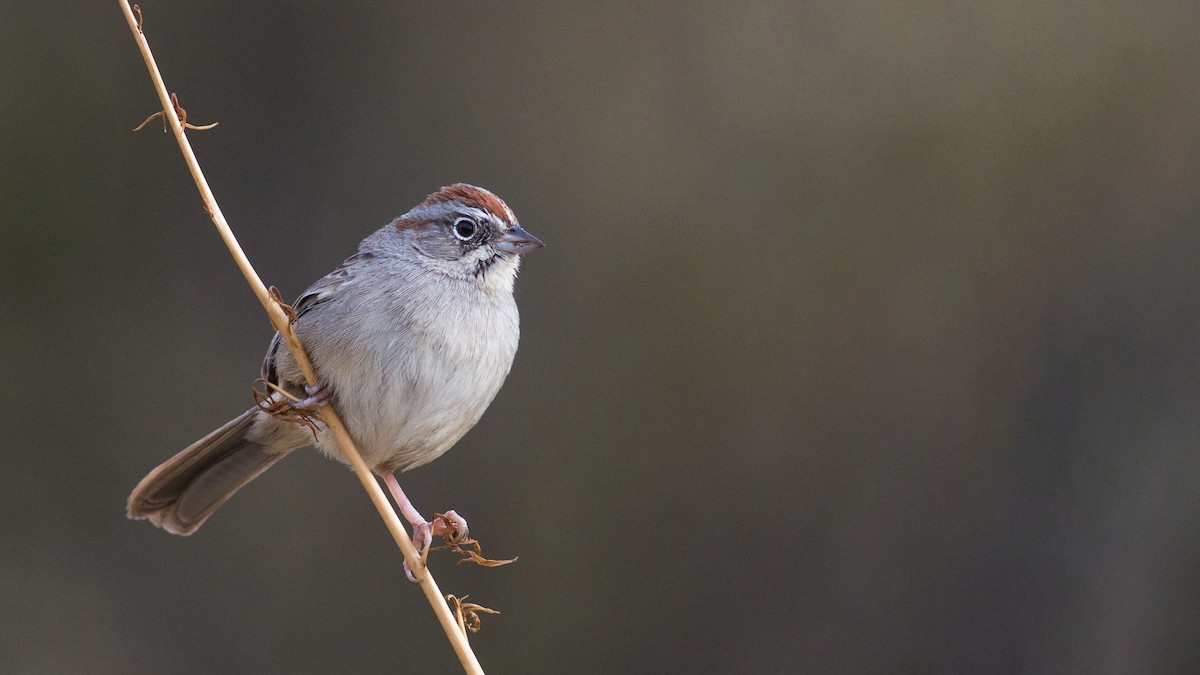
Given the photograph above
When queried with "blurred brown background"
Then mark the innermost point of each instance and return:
(865, 339)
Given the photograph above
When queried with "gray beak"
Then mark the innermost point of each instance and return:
(517, 240)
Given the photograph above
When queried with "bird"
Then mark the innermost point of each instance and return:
(411, 339)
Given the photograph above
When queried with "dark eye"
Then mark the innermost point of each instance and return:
(464, 228)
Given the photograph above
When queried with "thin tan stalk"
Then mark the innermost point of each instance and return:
(279, 320)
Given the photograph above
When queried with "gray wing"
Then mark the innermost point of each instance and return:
(326, 287)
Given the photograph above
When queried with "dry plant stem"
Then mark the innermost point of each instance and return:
(281, 323)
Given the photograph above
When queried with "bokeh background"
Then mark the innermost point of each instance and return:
(865, 338)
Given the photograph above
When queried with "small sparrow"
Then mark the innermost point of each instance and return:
(411, 338)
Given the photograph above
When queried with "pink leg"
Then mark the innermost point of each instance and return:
(423, 531)
(407, 510)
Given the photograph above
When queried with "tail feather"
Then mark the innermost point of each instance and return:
(181, 493)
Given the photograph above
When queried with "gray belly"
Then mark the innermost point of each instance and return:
(409, 396)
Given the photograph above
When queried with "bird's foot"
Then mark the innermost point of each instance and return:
(421, 539)
(450, 526)
(318, 395)
(280, 403)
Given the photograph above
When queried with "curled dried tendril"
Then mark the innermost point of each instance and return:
(286, 308)
(455, 540)
(179, 112)
(467, 613)
(264, 396)
(137, 11)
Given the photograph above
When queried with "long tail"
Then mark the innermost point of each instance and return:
(183, 491)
